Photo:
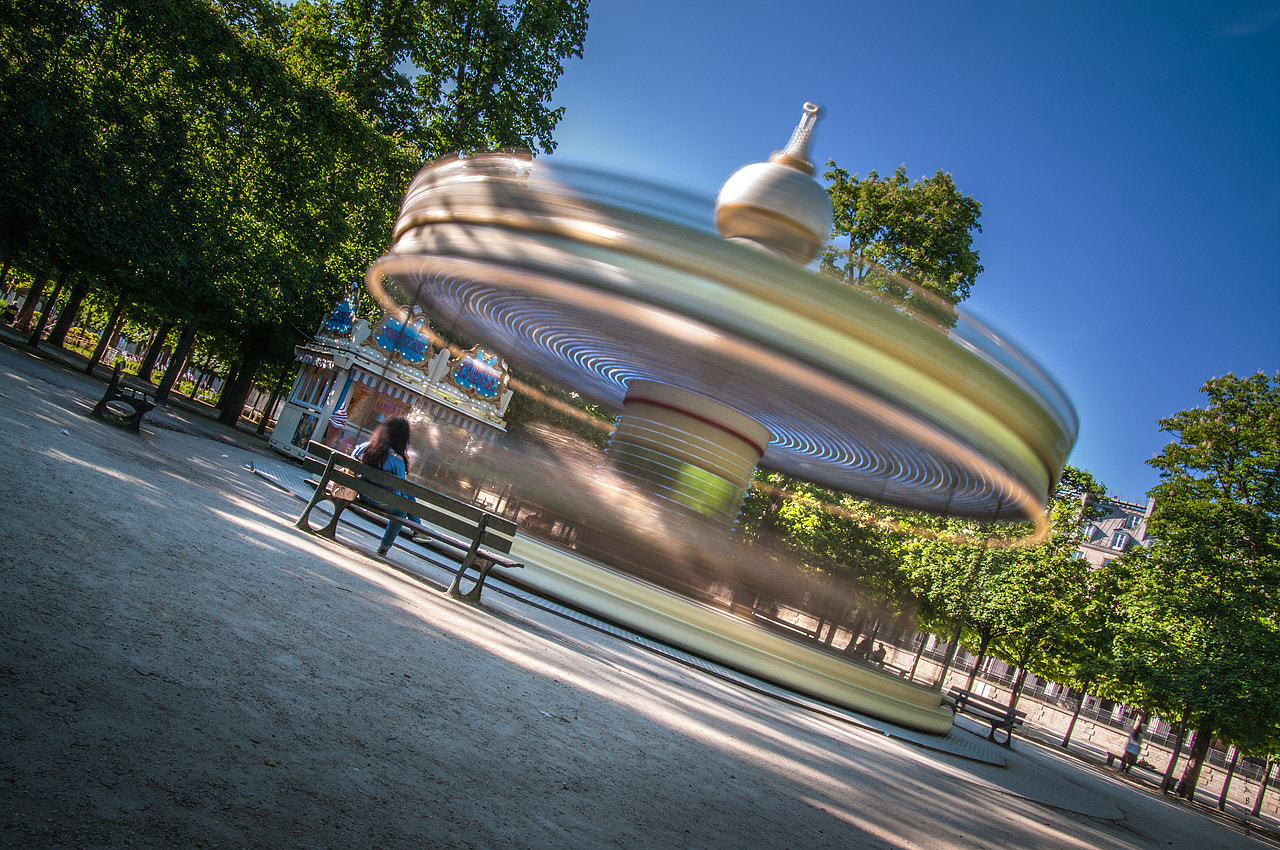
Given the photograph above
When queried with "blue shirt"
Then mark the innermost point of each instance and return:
(393, 464)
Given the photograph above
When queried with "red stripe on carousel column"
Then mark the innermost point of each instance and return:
(700, 418)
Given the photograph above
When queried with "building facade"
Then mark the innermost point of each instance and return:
(1123, 525)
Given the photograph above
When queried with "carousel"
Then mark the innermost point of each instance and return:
(705, 328)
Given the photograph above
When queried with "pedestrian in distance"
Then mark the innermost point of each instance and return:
(386, 449)
(1133, 747)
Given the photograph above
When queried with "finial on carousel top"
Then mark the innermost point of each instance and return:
(796, 153)
(777, 205)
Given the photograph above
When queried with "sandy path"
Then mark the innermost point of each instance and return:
(180, 667)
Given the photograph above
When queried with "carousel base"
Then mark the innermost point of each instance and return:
(720, 637)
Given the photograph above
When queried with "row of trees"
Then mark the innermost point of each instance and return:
(222, 171)
(1186, 627)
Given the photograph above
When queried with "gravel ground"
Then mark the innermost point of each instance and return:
(180, 667)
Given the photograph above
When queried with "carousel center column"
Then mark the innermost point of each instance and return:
(695, 453)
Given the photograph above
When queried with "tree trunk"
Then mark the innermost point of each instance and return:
(982, 653)
(855, 629)
(106, 333)
(23, 321)
(232, 374)
(49, 305)
(951, 655)
(68, 314)
(1020, 678)
(275, 396)
(1226, 783)
(1177, 751)
(1262, 789)
(179, 359)
(235, 392)
(915, 662)
(202, 374)
(836, 620)
(148, 364)
(1075, 715)
(1191, 773)
(1019, 682)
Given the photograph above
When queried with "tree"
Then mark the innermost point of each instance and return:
(1203, 627)
(958, 568)
(910, 244)
(839, 547)
(460, 75)
(1016, 601)
(1039, 595)
(1082, 657)
(489, 68)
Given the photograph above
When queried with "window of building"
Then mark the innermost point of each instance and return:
(1133, 521)
(312, 386)
(1119, 540)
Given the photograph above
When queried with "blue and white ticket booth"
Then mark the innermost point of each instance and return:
(352, 376)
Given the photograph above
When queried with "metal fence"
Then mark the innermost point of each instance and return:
(1119, 717)
(1113, 715)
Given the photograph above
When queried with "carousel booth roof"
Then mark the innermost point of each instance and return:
(353, 375)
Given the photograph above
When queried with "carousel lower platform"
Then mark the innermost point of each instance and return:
(674, 620)
(725, 639)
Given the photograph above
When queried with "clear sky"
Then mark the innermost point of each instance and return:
(1126, 156)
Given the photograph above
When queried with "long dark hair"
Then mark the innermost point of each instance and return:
(391, 436)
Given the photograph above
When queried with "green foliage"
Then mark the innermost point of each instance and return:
(462, 75)
(830, 535)
(1081, 652)
(1023, 603)
(489, 69)
(910, 244)
(239, 163)
(1202, 629)
(1078, 484)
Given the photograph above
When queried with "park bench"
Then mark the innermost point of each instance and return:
(988, 711)
(123, 406)
(449, 526)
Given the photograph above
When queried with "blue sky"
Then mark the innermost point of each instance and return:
(1126, 156)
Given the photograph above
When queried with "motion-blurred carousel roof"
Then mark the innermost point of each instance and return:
(595, 281)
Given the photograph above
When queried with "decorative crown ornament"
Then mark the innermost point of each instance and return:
(777, 205)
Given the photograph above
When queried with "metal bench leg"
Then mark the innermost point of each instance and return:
(470, 558)
(473, 595)
(1007, 743)
(330, 529)
(321, 493)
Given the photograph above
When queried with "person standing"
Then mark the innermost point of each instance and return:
(386, 449)
(1133, 747)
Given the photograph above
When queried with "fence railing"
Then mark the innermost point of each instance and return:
(1119, 717)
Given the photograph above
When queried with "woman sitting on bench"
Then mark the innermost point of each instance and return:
(385, 449)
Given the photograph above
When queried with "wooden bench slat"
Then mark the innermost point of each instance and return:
(424, 495)
(478, 535)
(493, 539)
